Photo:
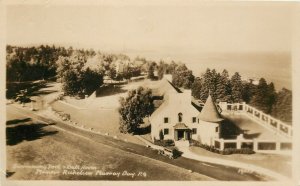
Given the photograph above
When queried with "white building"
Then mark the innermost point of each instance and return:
(179, 120)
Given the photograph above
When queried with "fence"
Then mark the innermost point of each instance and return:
(255, 145)
(266, 120)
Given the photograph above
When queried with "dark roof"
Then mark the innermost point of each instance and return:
(180, 126)
(164, 87)
(210, 112)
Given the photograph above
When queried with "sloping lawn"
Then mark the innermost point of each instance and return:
(278, 163)
(103, 120)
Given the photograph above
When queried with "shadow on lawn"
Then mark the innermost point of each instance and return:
(42, 92)
(28, 132)
(229, 130)
(9, 174)
(109, 90)
(144, 130)
(16, 121)
(251, 136)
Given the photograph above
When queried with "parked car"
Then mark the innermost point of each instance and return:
(171, 153)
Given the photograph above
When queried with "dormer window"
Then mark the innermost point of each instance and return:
(180, 117)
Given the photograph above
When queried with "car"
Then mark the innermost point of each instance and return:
(166, 152)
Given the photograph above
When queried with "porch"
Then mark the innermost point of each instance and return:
(182, 135)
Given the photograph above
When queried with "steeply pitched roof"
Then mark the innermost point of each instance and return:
(210, 112)
(163, 87)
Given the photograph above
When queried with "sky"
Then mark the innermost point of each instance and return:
(196, 27)
(201, 34)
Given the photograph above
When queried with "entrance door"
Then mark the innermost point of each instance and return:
(180, 134)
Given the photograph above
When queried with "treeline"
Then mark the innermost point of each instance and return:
(83, 71)
(222, 87)
(32, 63)
(80, 71)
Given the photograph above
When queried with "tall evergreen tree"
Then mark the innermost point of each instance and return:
(282, 109)
(236, 88)
(248, 91)
(271, 96)
(197, 88)
(260, 98)
(223, 89)
(206, 80)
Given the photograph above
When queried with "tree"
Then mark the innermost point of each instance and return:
(206, 84)
(261, 97)
(248, 91)
(183, 77)
(111, 72)
(236, 88)
(223, 89)
(75, 77)
(151, 71)
(32, 63)
(171, 68)
(282, 108)
(197, 88)
(70, 83)
(161, 69)
(271, 96)
(134, 108)
(91, 81)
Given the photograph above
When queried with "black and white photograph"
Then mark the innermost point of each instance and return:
(148, 91)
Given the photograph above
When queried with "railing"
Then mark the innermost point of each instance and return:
(266, 120)
(254, 144)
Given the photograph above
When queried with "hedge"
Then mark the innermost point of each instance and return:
(164, 143)
(226, 151)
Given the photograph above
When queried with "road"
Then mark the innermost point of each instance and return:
(39, 150)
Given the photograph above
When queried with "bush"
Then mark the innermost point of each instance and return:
(164, 143)
(226, 151)
(65, 117)
(195, 143)
(176, 153)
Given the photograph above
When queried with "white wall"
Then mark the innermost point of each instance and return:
(207, 132)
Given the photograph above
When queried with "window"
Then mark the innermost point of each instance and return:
(166, 131)
(194, 131)
(166, 120)
(217, 129)
(180, 117)
(198, 120)
(194, 120)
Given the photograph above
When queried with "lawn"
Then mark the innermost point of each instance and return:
(278, 163)
(103, 120)
(108, 97)
(55, 150)
(100, 110)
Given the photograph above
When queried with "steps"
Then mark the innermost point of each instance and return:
(182, 143)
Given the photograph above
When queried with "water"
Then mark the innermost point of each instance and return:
(274, 67)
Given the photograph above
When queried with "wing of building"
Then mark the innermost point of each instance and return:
(179, 120)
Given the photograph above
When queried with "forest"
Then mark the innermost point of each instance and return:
(77, 68)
